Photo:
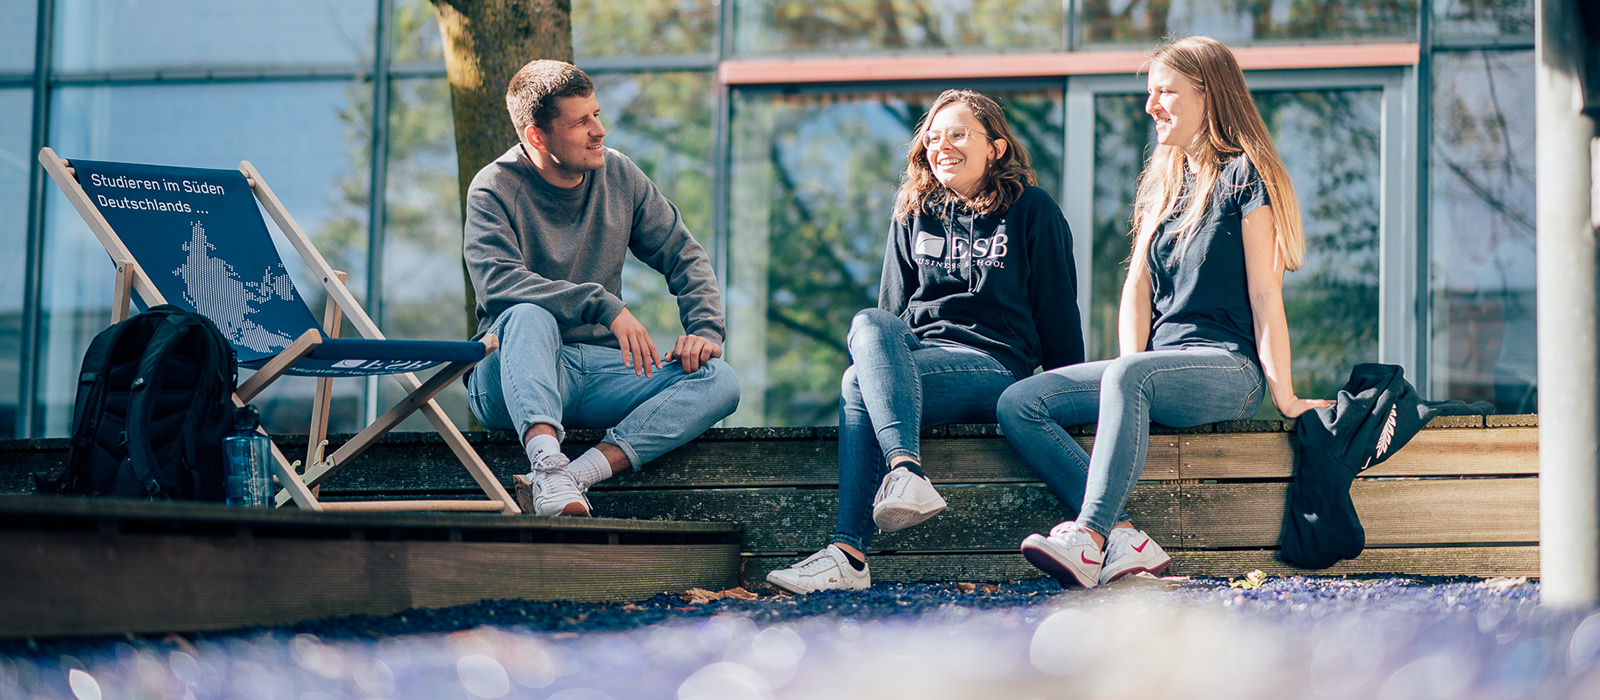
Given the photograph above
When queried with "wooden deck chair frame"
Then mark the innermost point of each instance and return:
(297, 488)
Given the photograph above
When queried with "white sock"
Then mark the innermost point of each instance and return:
(540, 446)
(590, 467)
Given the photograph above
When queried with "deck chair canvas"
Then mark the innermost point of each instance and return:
(195, 238)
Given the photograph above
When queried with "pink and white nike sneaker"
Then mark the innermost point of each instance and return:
(1130, 551)
(1068, 554)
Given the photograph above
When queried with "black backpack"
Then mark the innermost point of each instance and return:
(154, 402)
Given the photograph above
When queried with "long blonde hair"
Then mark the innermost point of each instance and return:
(1232, 126)
(1002, 184)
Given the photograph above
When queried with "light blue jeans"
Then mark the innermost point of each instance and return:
(896, 385)
(535, 378)
(1179, 388)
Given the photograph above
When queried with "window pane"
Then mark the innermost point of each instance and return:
(1331, 143)
(1143, 21)
(416, 32)
(663, 122)
(643, 27)
(103, 35)
(423, 288)
(1482, 227)
(830, 26)
(813, 183)
(18, 27)
(1482, 18)
(16, 113)
(308, 139)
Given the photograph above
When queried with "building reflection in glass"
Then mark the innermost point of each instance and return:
(1482, 217)
(15, 137)
(764, 27)
(1145, 21)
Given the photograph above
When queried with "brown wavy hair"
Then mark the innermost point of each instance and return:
(1232, 128)
(920, 192)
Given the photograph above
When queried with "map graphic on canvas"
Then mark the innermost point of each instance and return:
(214, 289)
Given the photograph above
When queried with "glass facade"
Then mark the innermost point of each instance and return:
(793, 202)
(1488, 19)
(605, 28)
(1482, 226)
(19, 27)
(15, 165)
(1145, 21)
(768, 27)
(423, 293)
(118, 35)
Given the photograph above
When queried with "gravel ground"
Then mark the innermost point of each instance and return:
(1290, 637)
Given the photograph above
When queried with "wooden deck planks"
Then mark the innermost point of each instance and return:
(1400, 512)
(1497, 452)
(1521, 560)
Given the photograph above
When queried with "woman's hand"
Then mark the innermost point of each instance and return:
(1297, 406)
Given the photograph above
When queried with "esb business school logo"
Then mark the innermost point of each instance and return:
(983, 252)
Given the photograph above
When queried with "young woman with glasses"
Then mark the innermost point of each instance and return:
(979, 288)
(1201, 328)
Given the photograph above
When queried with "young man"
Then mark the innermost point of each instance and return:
(549, 224)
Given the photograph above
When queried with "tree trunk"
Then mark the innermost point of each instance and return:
(485, 43)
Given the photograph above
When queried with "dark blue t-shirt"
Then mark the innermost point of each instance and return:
(1199, 295)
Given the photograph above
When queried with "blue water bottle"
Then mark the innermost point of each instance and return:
(249, 454)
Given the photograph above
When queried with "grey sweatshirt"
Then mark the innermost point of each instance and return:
(528, 241)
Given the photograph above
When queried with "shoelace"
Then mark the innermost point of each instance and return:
(551, 462)
(1062, 530)
(816, 562)
(559, 483)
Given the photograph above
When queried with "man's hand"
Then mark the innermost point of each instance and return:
(638, 350)
(693, 351)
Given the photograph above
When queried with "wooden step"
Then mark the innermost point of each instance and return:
(78, 566)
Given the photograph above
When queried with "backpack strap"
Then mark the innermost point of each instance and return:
(88, 405)
(145, 387)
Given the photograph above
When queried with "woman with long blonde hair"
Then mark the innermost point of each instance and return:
(1201, 327)
(978, 290)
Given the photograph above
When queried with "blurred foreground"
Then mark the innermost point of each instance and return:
(1172, 638)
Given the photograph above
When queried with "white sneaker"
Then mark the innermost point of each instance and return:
(828, 569)
(904, 499)
(1130, 551)
(1068, 554)
(551, 489)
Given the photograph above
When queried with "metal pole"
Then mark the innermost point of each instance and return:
(378, 184)
(29, 422)
(1569, 421)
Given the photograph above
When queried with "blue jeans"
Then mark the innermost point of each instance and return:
(1179, 388)
(896, 385)
(535, 378)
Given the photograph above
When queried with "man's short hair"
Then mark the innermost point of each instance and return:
(538, 86)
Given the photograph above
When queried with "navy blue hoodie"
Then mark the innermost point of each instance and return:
(1002, 283)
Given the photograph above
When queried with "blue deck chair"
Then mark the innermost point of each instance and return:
(195, 238)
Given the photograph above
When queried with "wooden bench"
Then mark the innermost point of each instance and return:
(1460, 499)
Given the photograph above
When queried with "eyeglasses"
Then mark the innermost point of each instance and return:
(958, 136)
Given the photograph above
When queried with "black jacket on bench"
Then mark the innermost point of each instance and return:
(1376, 414)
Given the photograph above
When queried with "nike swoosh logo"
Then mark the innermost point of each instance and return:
(1140, 548)
(1085, 559)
